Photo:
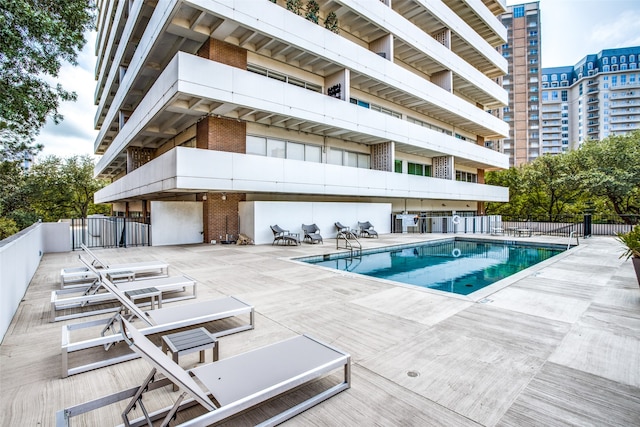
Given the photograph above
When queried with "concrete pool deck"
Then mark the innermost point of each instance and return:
(559, 345)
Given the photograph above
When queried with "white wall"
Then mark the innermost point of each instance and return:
(56, 237)
(19, 258)
(176, 223)
(257, 217)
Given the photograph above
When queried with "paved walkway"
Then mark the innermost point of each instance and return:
(558, 346)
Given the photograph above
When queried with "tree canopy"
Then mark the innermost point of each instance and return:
(54, 188)
(35, 37)
(601, 175)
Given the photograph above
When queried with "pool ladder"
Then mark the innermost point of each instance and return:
(350, 240)
(573, 233)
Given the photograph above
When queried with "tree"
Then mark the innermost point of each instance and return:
(63, 188)
(35, 37)
(551, 188)
(611, 169)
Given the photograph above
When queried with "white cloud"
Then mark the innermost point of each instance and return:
(622, 32)
(75, 135)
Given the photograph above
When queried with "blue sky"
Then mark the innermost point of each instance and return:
(570, 30)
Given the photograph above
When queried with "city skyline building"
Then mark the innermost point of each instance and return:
(523, 53)
(222, 117)
(593, 99)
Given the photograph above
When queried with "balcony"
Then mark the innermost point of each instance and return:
(189, 170)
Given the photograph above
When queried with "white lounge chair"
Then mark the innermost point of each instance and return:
(89, 296)
(71, 277)
(156, 321)
(227, 386)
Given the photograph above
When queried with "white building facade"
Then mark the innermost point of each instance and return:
(596, 98)
(239, 113)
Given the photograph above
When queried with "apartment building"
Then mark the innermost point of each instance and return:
(220, 117)
(523, 53)
(596, 98)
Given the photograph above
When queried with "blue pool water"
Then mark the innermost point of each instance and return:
(458, 266)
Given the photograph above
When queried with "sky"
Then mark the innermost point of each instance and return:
(570, 30)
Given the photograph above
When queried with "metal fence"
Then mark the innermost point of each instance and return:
(109, 232)
(583, 225)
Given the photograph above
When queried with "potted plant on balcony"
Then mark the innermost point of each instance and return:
(631, 241)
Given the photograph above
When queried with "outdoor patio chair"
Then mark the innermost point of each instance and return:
(162, 320)
(284, 236)
(312, 233)
(229, 386)
(366, 229)
(346, 231)
(80, 276)
(82, 300)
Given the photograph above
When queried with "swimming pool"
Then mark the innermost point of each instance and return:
(459, 266)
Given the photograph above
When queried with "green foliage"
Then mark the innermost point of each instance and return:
(295, 6)
(8, 227)
(631, 241)
(331, 22)
(62, 188)
(35, 37)
(312, 11)
(53, 189)
(600, 177)
(611, 169)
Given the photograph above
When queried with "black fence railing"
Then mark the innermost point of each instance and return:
(583, 225)
(109, 232)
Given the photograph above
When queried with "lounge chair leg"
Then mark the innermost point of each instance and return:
(137, 400)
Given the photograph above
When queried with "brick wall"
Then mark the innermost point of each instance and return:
(221, 134)
(224, 52)
(221, 216)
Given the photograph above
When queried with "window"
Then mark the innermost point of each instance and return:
(623, 59)
(418, 169)
(590, 66)
(554, 77)
(282, 149)
(605, 68)
(545, 78)
(614, 60)
(313, 153)
(565, 95)
(563, 76)
(283, 78)
(632, 58)
(397, 167)
(386, 111)
(623, 79)
(276, 148)
(256, 145)
(554, 95)
(545, 96)
(518, 11)
(359, 102)
(605, 61)
(428, 125)
(466, 176)
(348, 158)
(614, 81)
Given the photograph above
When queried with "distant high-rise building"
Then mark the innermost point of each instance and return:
(523, 54)
(596, 98)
